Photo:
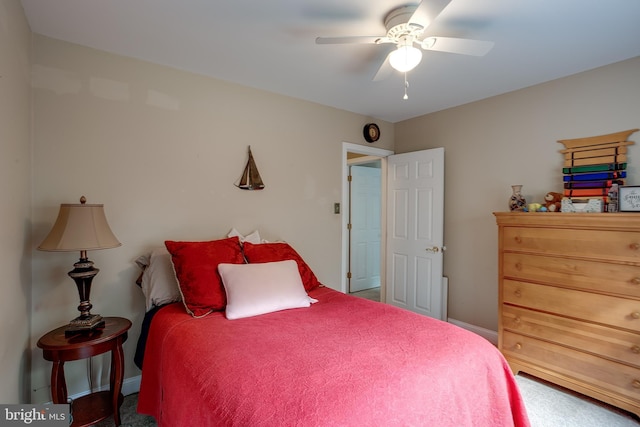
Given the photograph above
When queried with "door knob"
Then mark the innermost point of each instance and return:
(434, 249)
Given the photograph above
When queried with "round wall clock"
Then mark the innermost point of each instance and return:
(371, 132)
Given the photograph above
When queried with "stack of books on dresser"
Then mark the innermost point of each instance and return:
(594, 167)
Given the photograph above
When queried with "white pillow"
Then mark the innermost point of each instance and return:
(254, 289)
(251, 238)
(159, 284)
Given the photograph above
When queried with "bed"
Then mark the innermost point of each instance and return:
(333, 360)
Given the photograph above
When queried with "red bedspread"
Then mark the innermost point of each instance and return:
(344, 361)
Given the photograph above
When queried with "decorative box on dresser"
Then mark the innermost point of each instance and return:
(569, 301)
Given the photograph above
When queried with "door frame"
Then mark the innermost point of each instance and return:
(348, 147)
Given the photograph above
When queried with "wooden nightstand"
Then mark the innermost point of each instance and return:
(59, 348)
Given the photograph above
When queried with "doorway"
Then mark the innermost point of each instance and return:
(412, 222)
(365, 205)
(360, 154)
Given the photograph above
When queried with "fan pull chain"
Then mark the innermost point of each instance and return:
(406, 86)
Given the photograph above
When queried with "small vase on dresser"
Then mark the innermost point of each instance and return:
(517, 201)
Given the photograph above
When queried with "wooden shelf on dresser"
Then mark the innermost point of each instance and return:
(569, 301)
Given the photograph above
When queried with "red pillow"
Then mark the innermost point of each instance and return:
(196, 267)
(272, 252)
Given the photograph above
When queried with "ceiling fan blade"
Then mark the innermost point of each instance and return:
(349, 40)
(384, 71)
(427, 12)
(455, 45)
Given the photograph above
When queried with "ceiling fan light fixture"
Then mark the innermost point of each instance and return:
(405, 58)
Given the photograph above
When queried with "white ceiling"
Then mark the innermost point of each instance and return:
(270, 44)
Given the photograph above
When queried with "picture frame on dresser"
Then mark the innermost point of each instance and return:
(629, 198)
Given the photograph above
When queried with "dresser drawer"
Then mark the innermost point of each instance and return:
(604, 309)
(581, 274)
(619, 246)
(621, 346)
(615, 377)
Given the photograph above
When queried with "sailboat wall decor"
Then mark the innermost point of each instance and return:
(250, 179)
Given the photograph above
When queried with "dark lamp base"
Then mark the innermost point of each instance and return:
(82, 325)
(83, 273)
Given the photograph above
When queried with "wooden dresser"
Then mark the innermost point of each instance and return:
(569, 301)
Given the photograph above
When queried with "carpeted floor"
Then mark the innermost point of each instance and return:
(372, 294)
(548, 406)
(128, 415)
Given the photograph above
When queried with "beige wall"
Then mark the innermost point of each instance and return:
(161, 148)
(15, 193)
(511, 139)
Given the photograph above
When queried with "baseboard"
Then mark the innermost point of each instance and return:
(488, 334)
(129, 386)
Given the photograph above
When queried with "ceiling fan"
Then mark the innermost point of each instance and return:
(405, 28)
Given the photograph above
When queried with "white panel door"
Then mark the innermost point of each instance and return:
(415, 216)
(366, 205)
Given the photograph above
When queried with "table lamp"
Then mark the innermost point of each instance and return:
(81, 227)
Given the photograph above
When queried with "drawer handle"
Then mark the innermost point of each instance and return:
(518, 346)
(518, 293)
(518, 239)
(634, 246)
(636, 280)
(517, 322)
(635, 349)
(635, 315)
(636, 383)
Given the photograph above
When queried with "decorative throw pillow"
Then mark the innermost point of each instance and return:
(159, 284)
(196, 268)
(251, 238)
(254, 289)
(271, 252)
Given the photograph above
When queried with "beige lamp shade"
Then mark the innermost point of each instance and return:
(80, 227)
